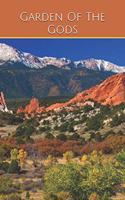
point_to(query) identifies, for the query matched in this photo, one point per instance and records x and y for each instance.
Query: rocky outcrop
(32, 108)
(109, 92)
(56, 106)
(3, 106)
(20, 110)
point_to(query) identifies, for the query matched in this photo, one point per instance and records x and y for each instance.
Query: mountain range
(23, 75)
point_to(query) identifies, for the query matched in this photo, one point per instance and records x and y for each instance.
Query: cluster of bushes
(10, 119)
(66, 127)
(111, 144)
(89, 179)
(8, 190)
(4, 151)
(25, 130)
(11, 168)
(117, 120)
(11, 160)
(64, 137)
(94, 123)
(7, 143)
(13, 196)
(56, 147)
(45, 147)
(115, 112)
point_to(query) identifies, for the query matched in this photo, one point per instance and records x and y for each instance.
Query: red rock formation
(3, 106)
(55, 106)
(109, 92)
(41, 109)
(32, 108)
(20, 110)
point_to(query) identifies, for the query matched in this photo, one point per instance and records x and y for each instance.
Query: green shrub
(24, 130)
(64, 127)
(4, 151)
(101, 180)
(117, 120)
(70, 128)
(5, 185)
(10, 119)
(94, 123)
(74, 136)
(121, 157)
(63, 178)
(14, 167)
(27, 195)
(10, 197)
(4, 166)
(87, 108)
(105, 110)
(98, 137)
(49, 136)
(92, 178)
(62, 137)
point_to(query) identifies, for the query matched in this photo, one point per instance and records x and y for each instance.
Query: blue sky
(109, 49)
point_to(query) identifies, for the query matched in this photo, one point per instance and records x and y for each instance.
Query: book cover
(62, 100)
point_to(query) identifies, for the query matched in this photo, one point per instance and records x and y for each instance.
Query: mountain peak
(9, 54)
(3, 45)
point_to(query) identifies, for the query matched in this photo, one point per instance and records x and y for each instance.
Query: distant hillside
(21, 82)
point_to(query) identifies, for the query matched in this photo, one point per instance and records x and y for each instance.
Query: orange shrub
(111, 144)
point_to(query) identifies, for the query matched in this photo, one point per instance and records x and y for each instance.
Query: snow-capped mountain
(100, 65)
(11, 55)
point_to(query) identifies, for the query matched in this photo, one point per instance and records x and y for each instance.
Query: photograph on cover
(62, 119)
